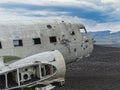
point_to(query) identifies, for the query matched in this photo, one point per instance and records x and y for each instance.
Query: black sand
(100, 71)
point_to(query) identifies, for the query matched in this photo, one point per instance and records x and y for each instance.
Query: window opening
(36, 41)
(83, 31)
(53, 39)
(17, 43)
(0, 45)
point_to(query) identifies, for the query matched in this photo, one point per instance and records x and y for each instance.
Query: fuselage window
(17, 43)
(0, 45)
(36, 41)
(53, 39)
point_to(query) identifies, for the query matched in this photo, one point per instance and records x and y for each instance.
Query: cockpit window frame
(84, 29)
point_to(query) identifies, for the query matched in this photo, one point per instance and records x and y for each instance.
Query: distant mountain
(100, 34)
(116, 33)
(106, 37)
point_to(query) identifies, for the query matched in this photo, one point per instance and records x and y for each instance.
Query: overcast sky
(96, 15)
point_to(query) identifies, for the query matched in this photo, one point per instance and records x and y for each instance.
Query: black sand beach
(100, 71)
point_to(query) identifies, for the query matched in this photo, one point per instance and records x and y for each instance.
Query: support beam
(6, 80)
(18, 77)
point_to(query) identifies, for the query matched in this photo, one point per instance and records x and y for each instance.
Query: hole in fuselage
(75, 49)
(49, 26)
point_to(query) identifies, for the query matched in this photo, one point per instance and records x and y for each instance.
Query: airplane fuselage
(26, 38)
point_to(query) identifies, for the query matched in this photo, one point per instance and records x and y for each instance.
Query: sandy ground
(100, 71)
